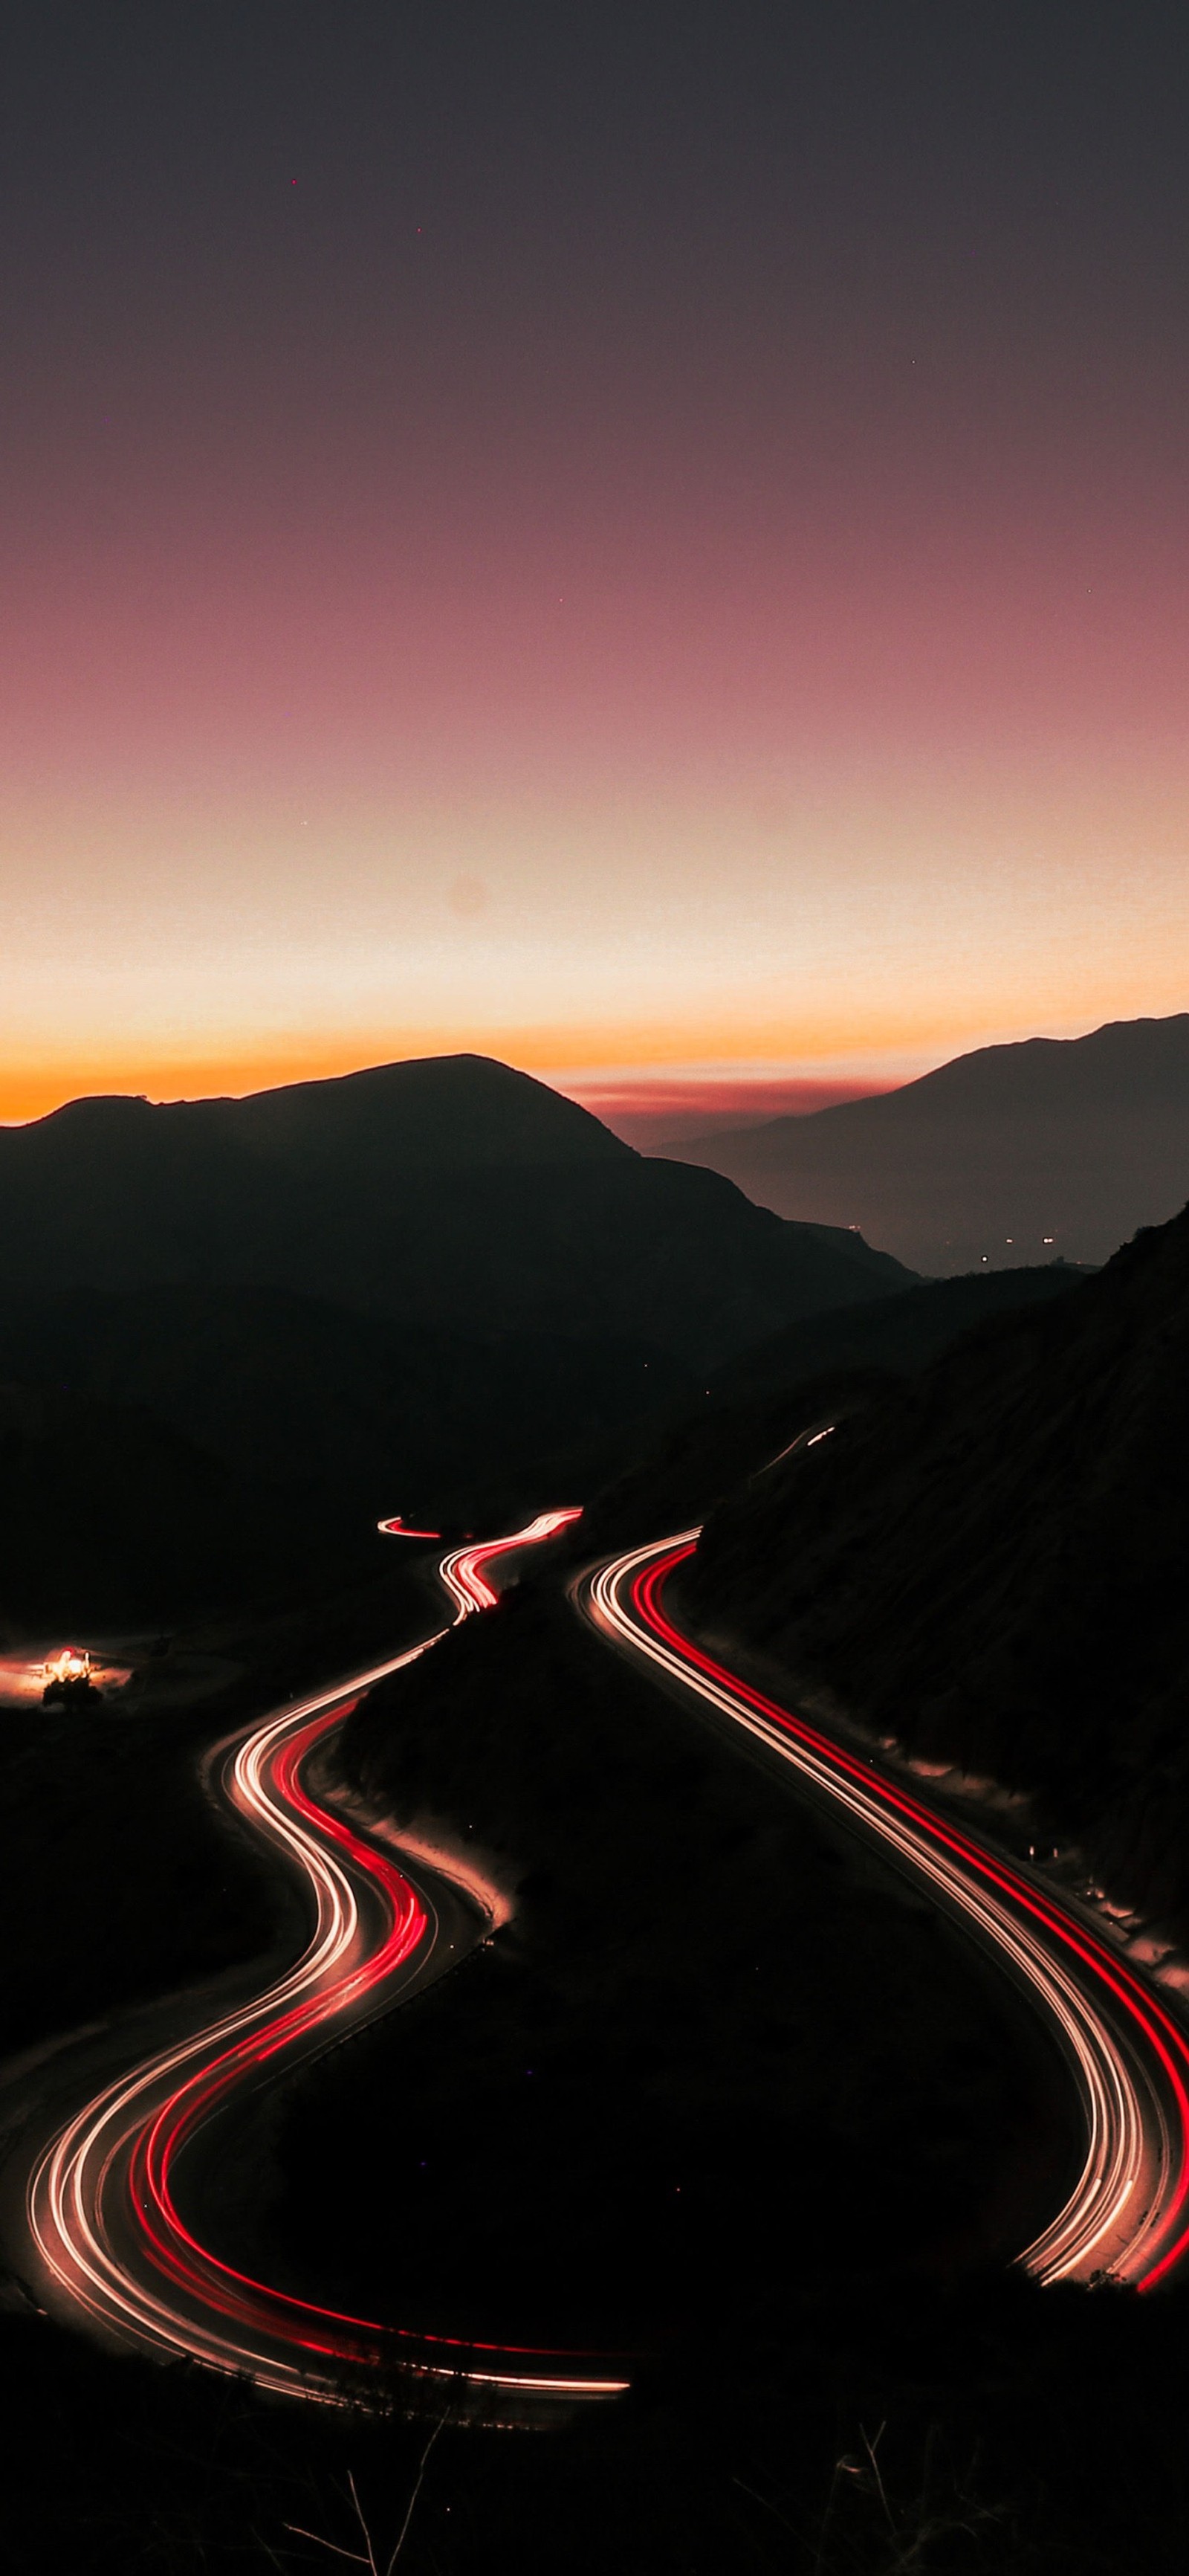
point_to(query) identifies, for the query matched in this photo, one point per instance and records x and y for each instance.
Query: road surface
(1127, 2217)
(110, 2237)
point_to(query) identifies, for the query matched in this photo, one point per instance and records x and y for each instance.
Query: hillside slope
(756, 1404)
(451, 1196)
(297, 1393)
(661, 2085)
(110, 1519)
(901, 1332)
(1007, 1155)
(990, 1563)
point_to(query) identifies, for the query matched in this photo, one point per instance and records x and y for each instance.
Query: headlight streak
(1127, 2216)
(101, 2202)
(462, 1571)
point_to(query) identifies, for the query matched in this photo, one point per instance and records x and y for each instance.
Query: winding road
(108, 2239)
(1127, 2217)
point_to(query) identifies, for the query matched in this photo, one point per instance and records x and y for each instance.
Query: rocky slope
(990, 1563)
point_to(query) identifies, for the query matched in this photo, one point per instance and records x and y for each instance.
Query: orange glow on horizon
(606, 1086)
(621, 1063)
(633, 650)
(727, 1098)
(721, 1065)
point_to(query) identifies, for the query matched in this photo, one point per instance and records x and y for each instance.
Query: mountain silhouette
(236, 1333)
(447, 1196)
(1002, 1158)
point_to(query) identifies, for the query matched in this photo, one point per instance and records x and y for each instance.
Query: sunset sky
(646, 541)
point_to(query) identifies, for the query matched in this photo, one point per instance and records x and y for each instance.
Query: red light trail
(113, 2247)
(1127, 2216)
(106, 2201)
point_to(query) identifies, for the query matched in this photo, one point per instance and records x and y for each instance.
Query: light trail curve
(105, 2210)
(1127, 2217)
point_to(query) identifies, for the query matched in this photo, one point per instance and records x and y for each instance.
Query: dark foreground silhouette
(990, 1564)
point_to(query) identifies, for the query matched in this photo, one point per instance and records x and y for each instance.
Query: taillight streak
(1127, 2212)
(102, 2202)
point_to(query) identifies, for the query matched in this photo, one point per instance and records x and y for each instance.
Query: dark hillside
(453, 1196)
(756, 1404)
(1024, 2433)
(245, 1330)
(899, 1332)
(302, 1394)
(109, 1520)
(990, 1563)
(708, 2015)
(1070, 1142)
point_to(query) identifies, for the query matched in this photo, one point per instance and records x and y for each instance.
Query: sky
(646, 541)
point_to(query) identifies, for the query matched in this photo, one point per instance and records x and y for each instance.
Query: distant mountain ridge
(450, 1195)
(1007, 1156)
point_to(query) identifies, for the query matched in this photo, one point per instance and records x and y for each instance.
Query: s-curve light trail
(107, 2207)
(1127, 2216)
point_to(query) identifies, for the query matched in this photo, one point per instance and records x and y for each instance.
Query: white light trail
(111, 2245)
(1126, 2216)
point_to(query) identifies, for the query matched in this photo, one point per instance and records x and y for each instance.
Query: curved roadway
(107, 2234)
(107, 2230)
(1127, 2217)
